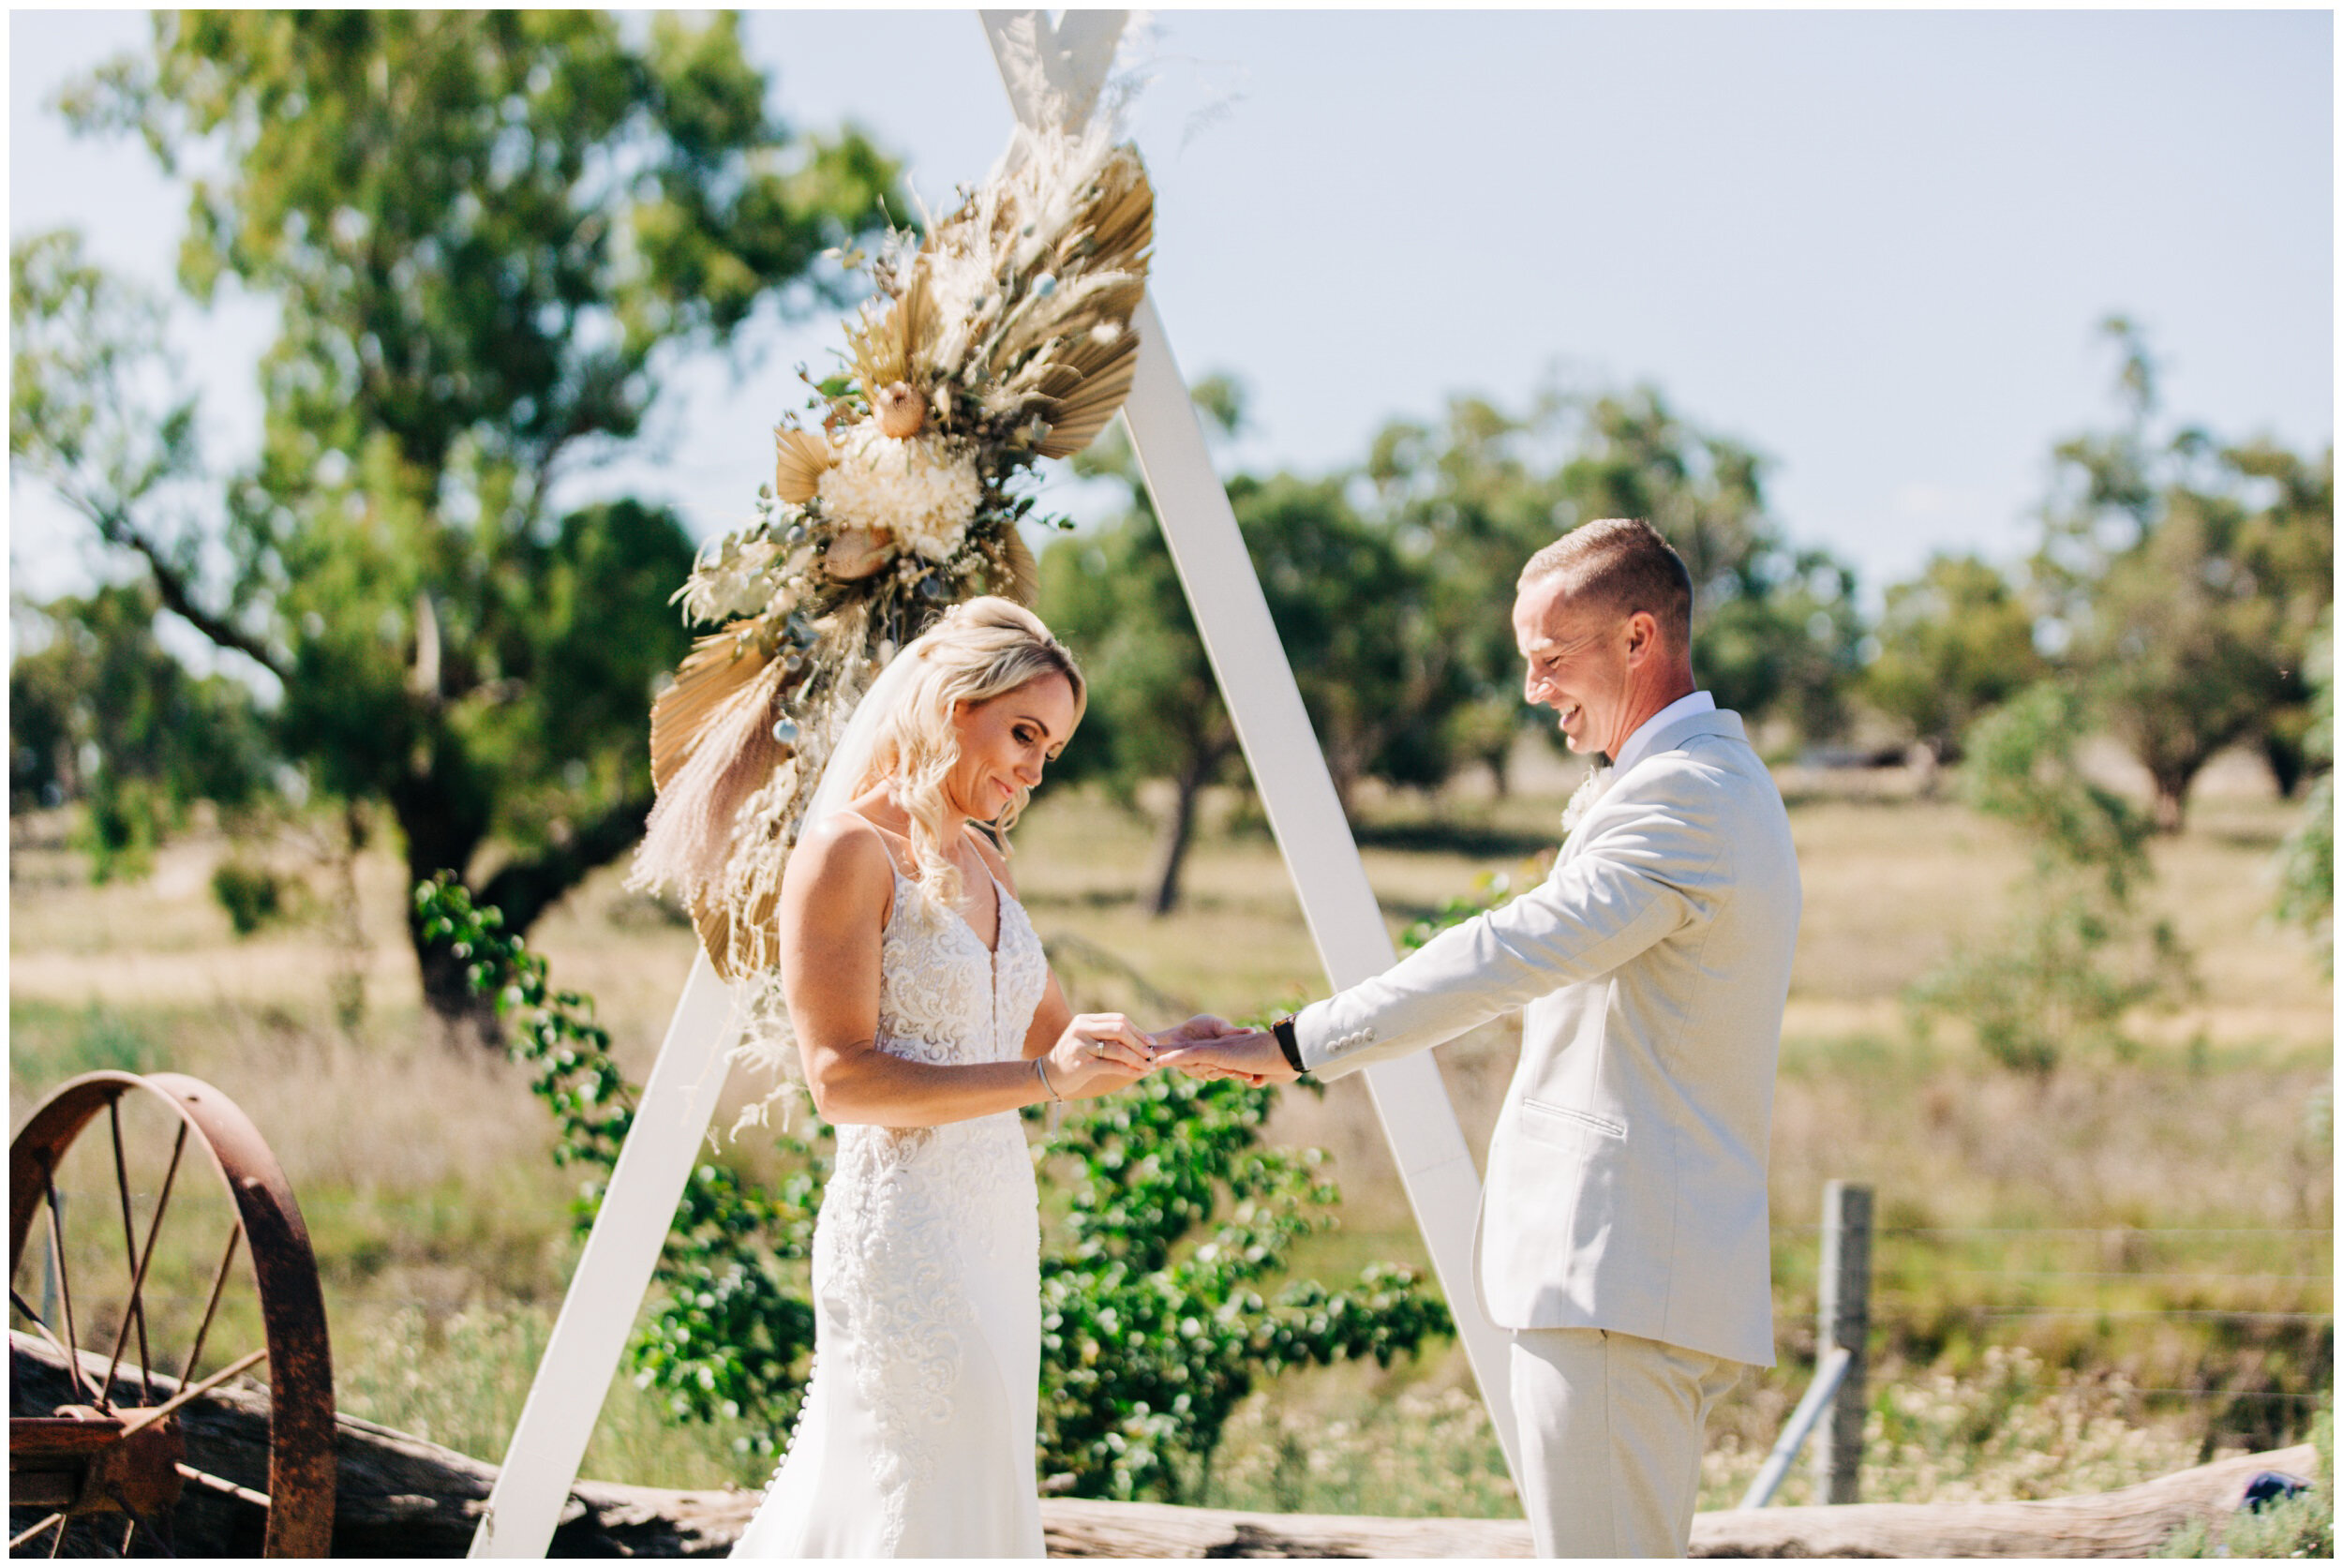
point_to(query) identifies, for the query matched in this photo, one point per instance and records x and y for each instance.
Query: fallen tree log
(396, 1496)
(400, 1495)
(2129, 1522)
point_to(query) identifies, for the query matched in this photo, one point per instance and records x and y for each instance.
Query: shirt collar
(1648, 731)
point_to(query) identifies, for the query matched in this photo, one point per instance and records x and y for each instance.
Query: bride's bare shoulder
(844, 856)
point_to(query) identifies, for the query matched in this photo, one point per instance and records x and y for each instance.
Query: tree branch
(524, 889)
(170, 584)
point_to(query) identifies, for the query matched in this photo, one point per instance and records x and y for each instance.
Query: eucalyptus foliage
(1157, 1316)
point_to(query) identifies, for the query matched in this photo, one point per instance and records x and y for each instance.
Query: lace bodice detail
(943, 996)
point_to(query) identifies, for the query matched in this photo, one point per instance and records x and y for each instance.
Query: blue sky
(1871, 245)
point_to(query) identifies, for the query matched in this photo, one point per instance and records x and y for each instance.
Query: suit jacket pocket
(1553, 1124)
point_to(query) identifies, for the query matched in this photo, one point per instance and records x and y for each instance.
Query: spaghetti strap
(877, 832)
(1002, 897)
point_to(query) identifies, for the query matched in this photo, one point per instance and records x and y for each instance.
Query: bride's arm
(833, 909)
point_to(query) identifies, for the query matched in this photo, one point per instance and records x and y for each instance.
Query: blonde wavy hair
(983, 648)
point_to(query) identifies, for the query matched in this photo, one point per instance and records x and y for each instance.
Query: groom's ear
(1643, 636)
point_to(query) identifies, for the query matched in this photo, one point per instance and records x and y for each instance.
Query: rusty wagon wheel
(139, 1323)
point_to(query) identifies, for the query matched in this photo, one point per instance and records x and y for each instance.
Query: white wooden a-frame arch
(1047, 69)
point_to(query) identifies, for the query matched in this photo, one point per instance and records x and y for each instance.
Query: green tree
(1954, 642)
(1155, 710)
(1469, 502)
(489, 235)
(2189, 578)
(2286, 546)
(1774, 626)
(1355, 614)
(100, 714)
(1352, 608)
(2076, 953)
(1775, 630)
(1393, 597)
(2306, 860)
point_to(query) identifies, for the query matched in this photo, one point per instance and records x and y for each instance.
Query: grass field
(2053, 1255)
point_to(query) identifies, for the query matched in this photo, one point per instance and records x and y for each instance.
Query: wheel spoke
(57, 1520)
(129, 1248)
(222, 1485)
(46, 1333)
(64, 1298)
(140, 1258)
(219, 1282)
(153, 1413)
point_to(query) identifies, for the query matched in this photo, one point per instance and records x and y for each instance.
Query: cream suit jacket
(1626, 1185)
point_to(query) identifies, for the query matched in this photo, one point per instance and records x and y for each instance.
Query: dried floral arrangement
(1001, 337)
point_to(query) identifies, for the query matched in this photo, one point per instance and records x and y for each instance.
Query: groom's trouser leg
(1610, 1430)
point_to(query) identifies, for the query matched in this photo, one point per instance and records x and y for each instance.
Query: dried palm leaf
(718, 750)
(1024, 572)
(736, 943)
(800, 457)
(1083, 389)
(883, 343)
(715, 670)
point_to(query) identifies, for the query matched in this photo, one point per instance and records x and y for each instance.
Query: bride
(926, 1016)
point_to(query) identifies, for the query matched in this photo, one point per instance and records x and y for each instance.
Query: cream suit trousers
(1610, 1432)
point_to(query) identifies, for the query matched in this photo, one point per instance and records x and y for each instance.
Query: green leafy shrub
(2075, 954)
(253, 895)
(1154, 1324)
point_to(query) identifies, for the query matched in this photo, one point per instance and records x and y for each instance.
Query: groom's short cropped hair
(1623, 564)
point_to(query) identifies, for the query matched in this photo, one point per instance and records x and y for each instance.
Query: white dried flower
(733, 577)
(920, 491)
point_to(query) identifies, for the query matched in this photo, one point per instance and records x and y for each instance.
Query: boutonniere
(1582, 800)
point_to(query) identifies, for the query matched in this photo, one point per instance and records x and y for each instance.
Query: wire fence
(2083, 1278)
(2282, 1303)
(2117, 1231)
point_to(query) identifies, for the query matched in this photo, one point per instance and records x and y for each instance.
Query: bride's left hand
(1098, 1053)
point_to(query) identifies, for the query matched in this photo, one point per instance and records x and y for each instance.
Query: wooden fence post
(1844, 1321)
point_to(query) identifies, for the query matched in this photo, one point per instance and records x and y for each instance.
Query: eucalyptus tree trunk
(1177, 834)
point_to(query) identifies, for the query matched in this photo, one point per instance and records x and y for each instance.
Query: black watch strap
(1283, 1029)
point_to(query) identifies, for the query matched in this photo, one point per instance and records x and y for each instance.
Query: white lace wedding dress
(917, 1435)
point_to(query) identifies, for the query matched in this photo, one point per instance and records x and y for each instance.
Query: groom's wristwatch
(1283, 1029)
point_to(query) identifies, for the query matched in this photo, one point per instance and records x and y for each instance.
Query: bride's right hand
(1098, 1053)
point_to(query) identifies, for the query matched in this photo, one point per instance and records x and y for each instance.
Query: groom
(1623, 1234)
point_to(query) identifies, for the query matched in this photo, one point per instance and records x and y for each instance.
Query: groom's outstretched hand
(1209, 1047)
